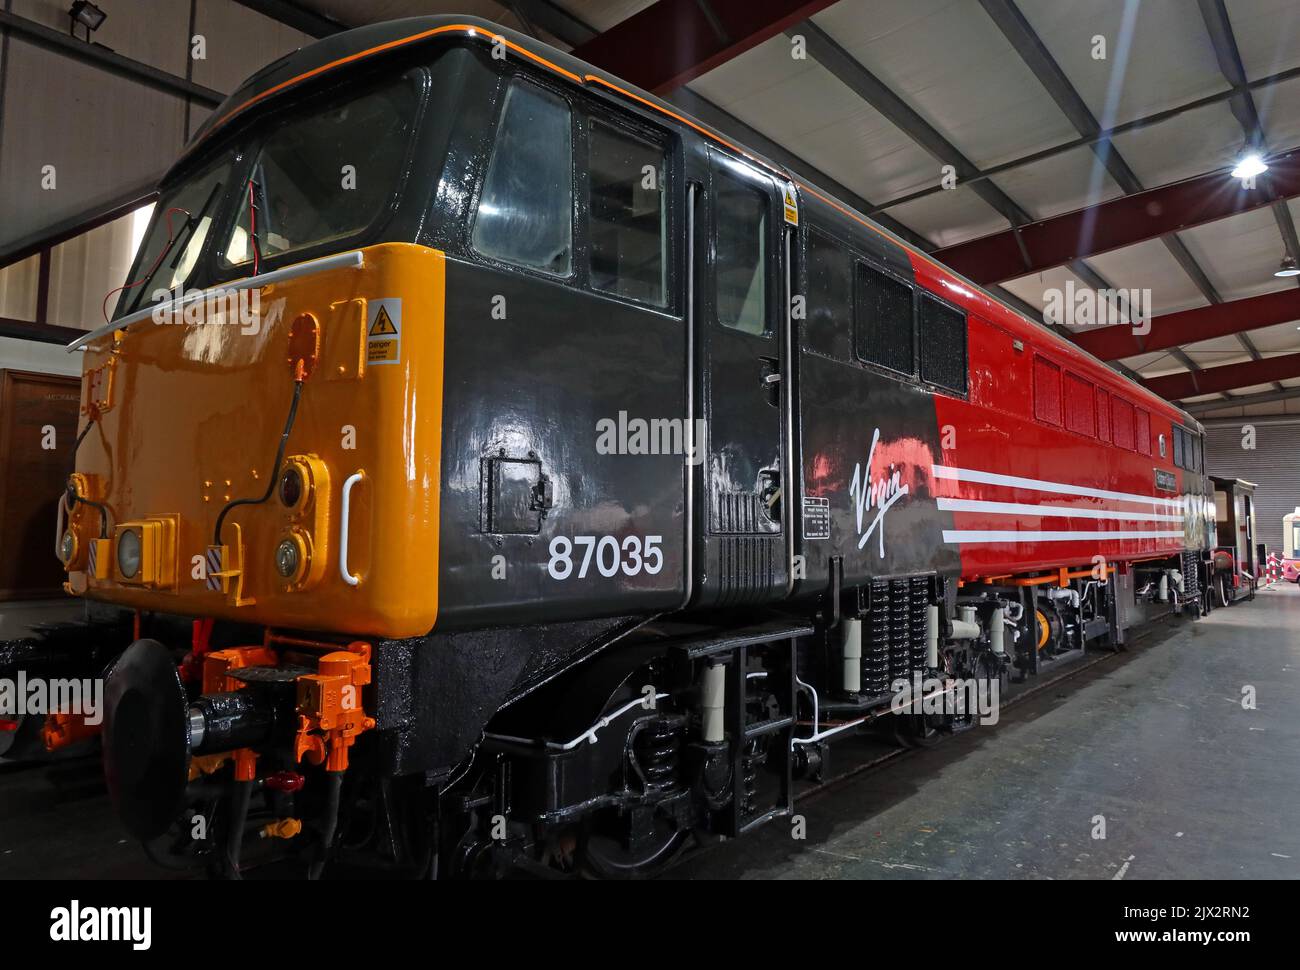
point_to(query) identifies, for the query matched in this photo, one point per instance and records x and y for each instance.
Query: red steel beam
(1188, 326)
(674, 41)
(1216, 380)
(1120, 222)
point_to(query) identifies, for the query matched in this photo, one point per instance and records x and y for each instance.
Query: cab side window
(525, 211)
(627, 215)
(741, 256)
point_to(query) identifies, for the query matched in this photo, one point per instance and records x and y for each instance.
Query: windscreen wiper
(191, 223)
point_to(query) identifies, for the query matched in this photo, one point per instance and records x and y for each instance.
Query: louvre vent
(747, 568)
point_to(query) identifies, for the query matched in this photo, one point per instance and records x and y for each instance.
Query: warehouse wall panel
(1273, 465)
(18, 285)
(86, 268)
(152, 31)
(101, 132)
(239, 42)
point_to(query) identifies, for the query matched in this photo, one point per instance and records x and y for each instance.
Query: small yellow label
(381, 351)
(791, 201)
(384, 331)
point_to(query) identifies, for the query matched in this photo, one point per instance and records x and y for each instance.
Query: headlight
(67, 547)
(291, 487)
(128, 554)
(288, 558)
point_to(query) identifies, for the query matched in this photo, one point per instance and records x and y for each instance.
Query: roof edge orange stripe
(468, 29)
(473, 31)
(687, 121)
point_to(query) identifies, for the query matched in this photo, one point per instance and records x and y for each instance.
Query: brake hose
(275, 470)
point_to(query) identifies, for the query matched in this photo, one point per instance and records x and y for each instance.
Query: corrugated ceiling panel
(1031, 289)
(948, 218)
(1141, 361)
(1164, 365)
(1282, 338)
(1225, 351)
(801, 105)
(1238, 254)
(948, 61)
(1149, 265)
(1063, 183)
(1253, 389)
(1266, 31)
(1192, 143)
(1279, 111)
(1165, 60)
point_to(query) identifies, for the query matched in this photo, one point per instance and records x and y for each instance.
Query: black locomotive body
(694, 515)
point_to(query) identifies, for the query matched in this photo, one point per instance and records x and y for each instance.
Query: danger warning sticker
(791, 201)
(384, 331)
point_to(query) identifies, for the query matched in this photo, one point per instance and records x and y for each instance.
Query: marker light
(291, 487)
(67, 547)
(128, 554)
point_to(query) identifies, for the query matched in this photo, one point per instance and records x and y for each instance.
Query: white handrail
(355, 258)
(343, 529)
(58, 525)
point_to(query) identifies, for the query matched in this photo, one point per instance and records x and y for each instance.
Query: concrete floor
(1191, 785)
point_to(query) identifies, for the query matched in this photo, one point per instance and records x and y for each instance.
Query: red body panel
(1029, 495)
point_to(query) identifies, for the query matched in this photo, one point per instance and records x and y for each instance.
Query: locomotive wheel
(603, 856)
(146, 739)
(986, 671)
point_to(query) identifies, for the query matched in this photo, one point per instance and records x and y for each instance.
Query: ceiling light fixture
(1249, 166)
(1288, 267)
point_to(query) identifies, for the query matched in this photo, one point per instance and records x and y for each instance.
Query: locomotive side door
(743, 387)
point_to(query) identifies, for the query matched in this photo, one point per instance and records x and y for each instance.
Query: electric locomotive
(549, 479)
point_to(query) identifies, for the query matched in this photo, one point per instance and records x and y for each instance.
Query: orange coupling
(61, 730)
(285, 828)
(220, 662)
(330, 712)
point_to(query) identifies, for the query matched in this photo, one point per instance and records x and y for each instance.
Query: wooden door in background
(32, 478)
